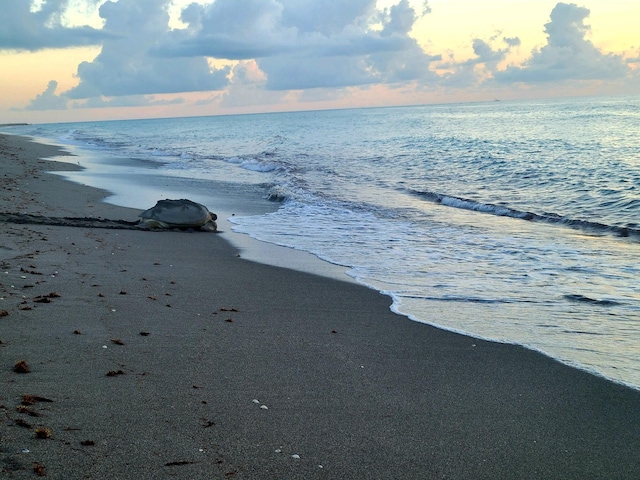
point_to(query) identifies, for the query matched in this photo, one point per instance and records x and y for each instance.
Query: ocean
(517, 222)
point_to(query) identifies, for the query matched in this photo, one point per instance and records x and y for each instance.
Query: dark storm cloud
(21, 29)
(568, 55)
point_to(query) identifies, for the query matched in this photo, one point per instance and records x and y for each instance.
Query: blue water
(512, 221)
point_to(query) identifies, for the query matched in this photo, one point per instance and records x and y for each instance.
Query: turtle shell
(181, 213)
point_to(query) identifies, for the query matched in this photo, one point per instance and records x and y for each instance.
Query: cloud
(353, 52)
(636, 59)
(247, 88)
(325, 17)
(48, 100)
(568, 55)
(270, 51)
(480, 68)
(229, 29)
(301, 44)
(486, 54)
(24, 29)
(127, 101)
(399, 19)
(512, 42)
(125, 65)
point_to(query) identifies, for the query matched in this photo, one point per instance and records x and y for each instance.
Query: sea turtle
(167, 214)
(181, 213)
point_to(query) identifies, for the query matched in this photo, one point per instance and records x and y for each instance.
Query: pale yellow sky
(449, 30)
(453, 23)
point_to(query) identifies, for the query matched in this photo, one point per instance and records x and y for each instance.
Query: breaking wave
(549, 218)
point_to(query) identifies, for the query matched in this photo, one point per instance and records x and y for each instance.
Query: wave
(582, 299)
(549, 218)
(464, 299)
(277, 193)
(259, 166)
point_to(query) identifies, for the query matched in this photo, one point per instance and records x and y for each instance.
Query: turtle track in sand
(84, 222)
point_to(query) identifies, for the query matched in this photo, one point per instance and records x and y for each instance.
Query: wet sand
(168, 355)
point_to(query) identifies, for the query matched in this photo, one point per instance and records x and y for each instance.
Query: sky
(84, 60)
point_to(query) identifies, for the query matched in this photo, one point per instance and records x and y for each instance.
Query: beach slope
(168, 355)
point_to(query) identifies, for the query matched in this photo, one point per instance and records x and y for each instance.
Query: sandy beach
(155, 355)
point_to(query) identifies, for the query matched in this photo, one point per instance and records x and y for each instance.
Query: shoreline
(227, 205)
(351, 389)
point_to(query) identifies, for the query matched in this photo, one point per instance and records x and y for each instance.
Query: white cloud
(568, 54)
(24, 29)
(399, 19)
(229, 29)
(48, 100)
(263, 49)
(480, 68)
(125, 66)
(326, 17)
(127, 101)
(247, 88)
(355, 54)
(302, 44)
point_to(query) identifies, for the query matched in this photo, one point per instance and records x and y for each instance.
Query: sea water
(517, 222)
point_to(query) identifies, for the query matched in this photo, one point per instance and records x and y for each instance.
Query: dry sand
(167, 355)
